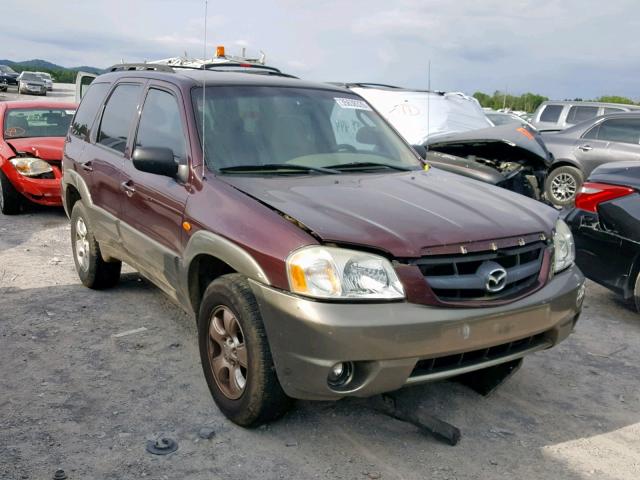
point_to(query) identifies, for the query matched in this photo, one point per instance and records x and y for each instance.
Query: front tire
(235, 354)
(562, 185)
(92, 269)
(9, 197)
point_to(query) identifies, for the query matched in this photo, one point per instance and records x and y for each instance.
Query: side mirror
(157, 160)
(420, 150)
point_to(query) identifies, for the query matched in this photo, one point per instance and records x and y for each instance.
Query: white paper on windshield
(353, 103)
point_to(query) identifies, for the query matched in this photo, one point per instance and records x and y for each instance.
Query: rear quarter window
(551, 113)
(88, 109)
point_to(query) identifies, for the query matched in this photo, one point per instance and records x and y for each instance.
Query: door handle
(86, 166)
(128, 188)
(585, 148)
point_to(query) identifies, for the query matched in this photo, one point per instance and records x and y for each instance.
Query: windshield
(37, 122)
(309, 130)
(30, 76)
(44, 75)
(5, 69)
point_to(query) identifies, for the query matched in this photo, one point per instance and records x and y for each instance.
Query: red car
(31, 142)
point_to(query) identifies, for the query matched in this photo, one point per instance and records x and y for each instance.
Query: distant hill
(60, 73)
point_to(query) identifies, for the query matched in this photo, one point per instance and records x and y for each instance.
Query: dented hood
(401, 213)
(46, 148)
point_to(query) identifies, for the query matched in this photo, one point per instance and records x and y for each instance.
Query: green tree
(615, 99)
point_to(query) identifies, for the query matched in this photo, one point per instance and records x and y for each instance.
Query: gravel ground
(75, 396)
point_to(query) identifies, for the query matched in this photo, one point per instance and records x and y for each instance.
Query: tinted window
(161, 124)
(620, 130)
(86, 114)
(117, 116)
(608, 110)
(579, 114)
(551, 113)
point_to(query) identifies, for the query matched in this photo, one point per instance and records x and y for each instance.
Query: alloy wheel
(564, 187)
(82, 244)
(227, 352)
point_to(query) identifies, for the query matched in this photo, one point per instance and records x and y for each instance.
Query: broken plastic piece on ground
(430, 424)
(162, 446)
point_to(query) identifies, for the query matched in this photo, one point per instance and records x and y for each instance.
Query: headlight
(31, 167)
(326, 272)
(565, 249)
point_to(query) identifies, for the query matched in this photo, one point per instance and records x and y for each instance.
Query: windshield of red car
(37, 122)
(252, 126)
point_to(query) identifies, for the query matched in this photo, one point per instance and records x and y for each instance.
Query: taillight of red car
(593, 194)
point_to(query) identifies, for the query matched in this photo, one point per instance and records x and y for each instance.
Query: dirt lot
(74, 396)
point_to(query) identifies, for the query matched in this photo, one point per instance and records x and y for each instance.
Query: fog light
(340, 374)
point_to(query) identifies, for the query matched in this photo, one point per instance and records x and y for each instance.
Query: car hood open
(504, 143)
(402, 213)
(46, 148)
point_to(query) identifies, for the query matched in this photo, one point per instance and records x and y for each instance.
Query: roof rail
(140, 66)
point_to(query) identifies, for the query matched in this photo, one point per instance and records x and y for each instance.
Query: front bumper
(43, 191)
(387, 340)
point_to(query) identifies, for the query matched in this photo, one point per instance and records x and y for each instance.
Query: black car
(606, 228)
(583, 147)
(8, 76)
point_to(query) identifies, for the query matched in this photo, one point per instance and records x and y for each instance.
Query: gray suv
(580, 149)
(555, 115)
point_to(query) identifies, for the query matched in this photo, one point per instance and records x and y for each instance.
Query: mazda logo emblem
(496, 280)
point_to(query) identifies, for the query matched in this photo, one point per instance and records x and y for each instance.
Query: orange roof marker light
(220, 51)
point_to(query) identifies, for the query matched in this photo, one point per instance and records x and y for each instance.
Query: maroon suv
(321, 257)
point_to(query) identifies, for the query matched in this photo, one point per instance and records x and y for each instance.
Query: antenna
(204, 63)
(426, 146)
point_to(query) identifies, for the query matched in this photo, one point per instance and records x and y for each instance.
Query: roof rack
(140, 66)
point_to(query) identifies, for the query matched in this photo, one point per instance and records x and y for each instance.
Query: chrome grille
(466, 277)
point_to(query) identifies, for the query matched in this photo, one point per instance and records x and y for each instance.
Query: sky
(561, 49)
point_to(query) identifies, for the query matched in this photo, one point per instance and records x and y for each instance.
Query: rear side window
(117, 117)
(620, 130)
(551, 113)
(580, 113)
(608, 110)
(161, 124)
(86, 114)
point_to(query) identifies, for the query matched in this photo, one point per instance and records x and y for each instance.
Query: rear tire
(235, 354)
(9, 197)
(562, 185)
(93, 271)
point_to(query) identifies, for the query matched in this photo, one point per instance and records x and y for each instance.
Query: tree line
(528, 102)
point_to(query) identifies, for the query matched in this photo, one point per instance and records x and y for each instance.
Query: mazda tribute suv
(321, 256)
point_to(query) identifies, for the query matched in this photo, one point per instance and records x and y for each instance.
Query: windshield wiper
(275, 167)
(368, 166)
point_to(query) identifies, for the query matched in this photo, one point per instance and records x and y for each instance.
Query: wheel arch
(209, 256)
(565, 162)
